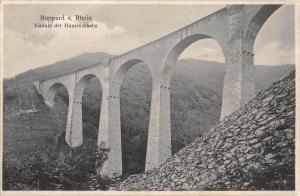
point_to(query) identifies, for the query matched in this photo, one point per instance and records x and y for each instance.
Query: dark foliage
(73, 169)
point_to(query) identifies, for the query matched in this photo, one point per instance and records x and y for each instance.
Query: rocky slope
(252, 149)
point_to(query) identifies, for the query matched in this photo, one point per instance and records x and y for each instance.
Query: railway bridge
(234, 28)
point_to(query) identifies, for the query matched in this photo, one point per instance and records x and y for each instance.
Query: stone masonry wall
(252, 149)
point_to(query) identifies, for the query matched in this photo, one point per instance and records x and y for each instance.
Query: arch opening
(121, 73)
(86, 106)
(58, 97)
(52, 92)
(91, 98)
(271, 37)
(195, 71)
(133, 84)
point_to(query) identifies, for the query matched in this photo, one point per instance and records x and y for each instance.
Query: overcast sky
(125, 27)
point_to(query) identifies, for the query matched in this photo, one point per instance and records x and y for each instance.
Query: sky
(124, 27)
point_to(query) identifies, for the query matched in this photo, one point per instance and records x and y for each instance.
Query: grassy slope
(196, 91)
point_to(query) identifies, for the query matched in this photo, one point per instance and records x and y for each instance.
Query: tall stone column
(109, 135)
(74, 119)
(248, 71)
(159, 135)
(239, 84)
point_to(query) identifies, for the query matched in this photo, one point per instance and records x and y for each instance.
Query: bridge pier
(74, 119)
(109, 135)
(159, 135)
(239, 79)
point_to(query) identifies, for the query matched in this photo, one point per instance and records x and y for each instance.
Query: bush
(73, 169)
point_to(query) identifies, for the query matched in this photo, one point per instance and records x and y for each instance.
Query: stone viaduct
(234, 27)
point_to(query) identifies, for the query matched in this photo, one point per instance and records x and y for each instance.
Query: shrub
(73, 169)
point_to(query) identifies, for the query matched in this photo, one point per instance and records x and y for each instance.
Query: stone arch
(60, 110)
(78, 98)
(178, 49)
(166, 77)
(52, 92)
(122, 71)
(118, 112)
(239, 81)
(81, 84)
(256, 23)
(251, 31)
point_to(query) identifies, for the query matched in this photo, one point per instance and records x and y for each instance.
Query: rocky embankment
(252, 149)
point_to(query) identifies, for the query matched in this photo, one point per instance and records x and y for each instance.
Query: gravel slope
(252, 149)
